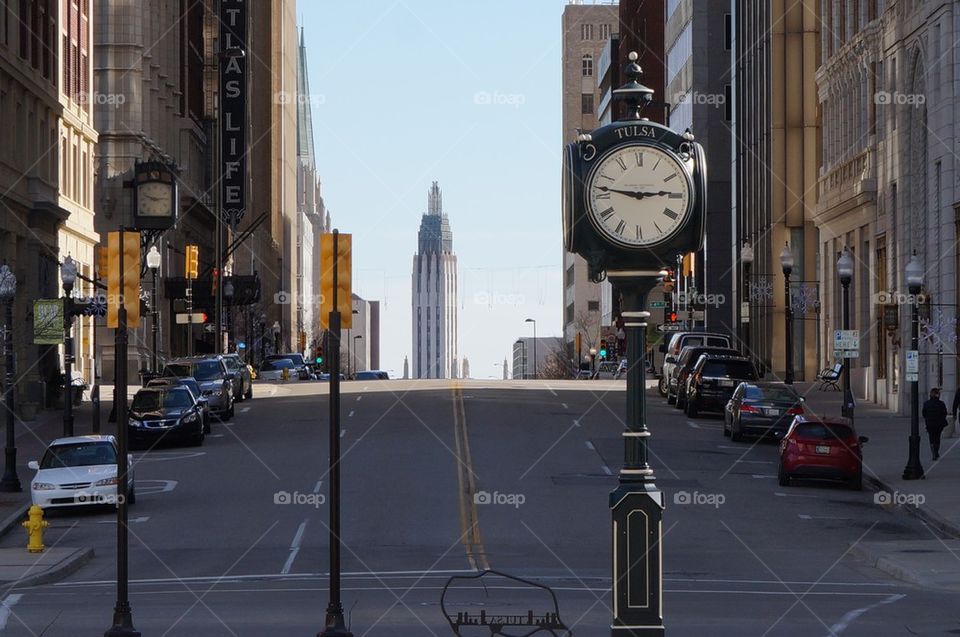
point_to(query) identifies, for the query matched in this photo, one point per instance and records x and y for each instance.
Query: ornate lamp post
(845, 274)
(153, 262)
(228, 292)
(68, 276)
(530, 320)
(746, 258)
(787, 263)
(914, 276)
(8, 289)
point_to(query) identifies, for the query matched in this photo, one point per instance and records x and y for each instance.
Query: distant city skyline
(444, 105)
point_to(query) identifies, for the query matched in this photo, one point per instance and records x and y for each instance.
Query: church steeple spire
(435, 200)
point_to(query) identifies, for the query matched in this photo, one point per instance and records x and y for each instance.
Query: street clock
(634, 192)
(155, 196)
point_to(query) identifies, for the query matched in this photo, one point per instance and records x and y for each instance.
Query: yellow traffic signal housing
(192, 262)
(128, 289)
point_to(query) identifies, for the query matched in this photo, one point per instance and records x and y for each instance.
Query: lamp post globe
(845, 267)
(914, 274)
(153, 258)
(786, 259)
(746, 254)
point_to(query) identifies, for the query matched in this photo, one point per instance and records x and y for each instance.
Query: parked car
(684, 339)
(369, 375)
(273, 369)
(822, 448)
(689, 355)
(714, 379)
(243, 379)
(216, 383)
(608, 370)
(164, 414)
(81, 470)
(194, 387)
(299, 364)
(761, 409)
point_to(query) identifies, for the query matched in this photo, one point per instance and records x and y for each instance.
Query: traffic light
(668, 282)
(192, 268)
(603, 349)
(129, 288)
(672, 317)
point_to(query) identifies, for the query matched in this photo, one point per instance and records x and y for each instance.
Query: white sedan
(273, 369)
(78, 471)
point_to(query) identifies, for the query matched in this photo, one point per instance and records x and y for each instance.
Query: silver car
(216, 382)
(242, 382)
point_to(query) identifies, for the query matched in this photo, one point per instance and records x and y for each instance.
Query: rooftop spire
(435, 200)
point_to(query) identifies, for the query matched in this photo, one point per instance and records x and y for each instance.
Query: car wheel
(856, 483)
(783, 478)
(671, 399)
(662, 387)
(692, 409)
(681, 404)
(735, 434)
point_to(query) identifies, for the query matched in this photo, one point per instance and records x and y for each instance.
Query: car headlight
(189, 418)
(133, 422)
(106, 482)
(43, 486)
(208, 392)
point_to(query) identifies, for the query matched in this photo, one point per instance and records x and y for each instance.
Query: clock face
(154, 199)
(638, 195)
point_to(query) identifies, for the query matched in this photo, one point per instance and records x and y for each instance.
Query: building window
(586, 103)
(586, 31)
(604, 31)
(24, 17)
(569, 314)
(727, 31)
(593, 306)
(570, 272)
(587, 65)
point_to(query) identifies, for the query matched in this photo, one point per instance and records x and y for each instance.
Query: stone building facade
(888, 184)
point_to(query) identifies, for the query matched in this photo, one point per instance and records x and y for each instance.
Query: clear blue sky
(400, 88)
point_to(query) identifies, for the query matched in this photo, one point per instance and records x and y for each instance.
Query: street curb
(883, 564)
(921, 513)
(66, 568)
(14, 519)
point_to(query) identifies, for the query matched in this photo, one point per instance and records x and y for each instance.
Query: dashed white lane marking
(589, 445)
(576, 422)
(729, 447)
(359, 398)
(214, 435)
(564, 405)
(294, 548)
(8, 602)
(756, 461)
(795, 495)
(804, 516)
(316, 489)
(607, 471)
(854, 615)
(350, 415)
(757, 475)
(343, 432)
(244, 410)
(142, 518)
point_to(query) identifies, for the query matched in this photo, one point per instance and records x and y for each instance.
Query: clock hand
(630, 193)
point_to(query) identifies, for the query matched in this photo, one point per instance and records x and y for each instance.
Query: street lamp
(746, 258)
(914, 275)
(228, 292)
(356, 345)
(68, 276)
(593, 359)
(153, 262)
(530, 320)
(787, 262)
(8, 289)
(276, 337)
(845, 273)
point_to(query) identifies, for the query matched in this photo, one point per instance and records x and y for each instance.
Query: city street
(231, 539)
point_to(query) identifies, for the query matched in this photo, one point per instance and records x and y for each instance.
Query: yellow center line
(467, 486)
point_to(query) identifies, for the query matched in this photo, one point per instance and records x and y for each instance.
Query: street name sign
(668, 327)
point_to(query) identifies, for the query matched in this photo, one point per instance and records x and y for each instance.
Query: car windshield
(231, 363)
(772, 394)
(179, 370)
(275, 364)
(296, 359)
(728, 369)
(823, 431)
(157, 400)
(83, 454)
(207, 370)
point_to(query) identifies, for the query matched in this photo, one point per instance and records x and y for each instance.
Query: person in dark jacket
(935, 417)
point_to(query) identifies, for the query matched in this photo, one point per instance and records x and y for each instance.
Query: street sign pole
(636, 504)
(335, 625)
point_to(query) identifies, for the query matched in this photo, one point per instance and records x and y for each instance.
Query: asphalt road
(231, 538)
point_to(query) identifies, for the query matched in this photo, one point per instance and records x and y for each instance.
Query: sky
(466, 93)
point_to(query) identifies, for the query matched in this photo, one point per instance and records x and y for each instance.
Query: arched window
(587, 65)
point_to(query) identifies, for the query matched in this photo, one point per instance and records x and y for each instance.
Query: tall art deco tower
(435, 295)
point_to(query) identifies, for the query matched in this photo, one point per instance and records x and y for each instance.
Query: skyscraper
(435, 294)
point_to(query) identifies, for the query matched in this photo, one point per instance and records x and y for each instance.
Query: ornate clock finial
(635, 94)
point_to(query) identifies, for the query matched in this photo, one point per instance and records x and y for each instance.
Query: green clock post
(634, 198)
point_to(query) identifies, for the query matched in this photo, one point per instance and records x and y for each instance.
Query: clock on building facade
(155, 196)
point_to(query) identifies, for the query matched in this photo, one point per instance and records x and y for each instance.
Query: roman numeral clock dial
(639, 195)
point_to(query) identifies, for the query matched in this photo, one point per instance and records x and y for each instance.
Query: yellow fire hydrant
(35, 525)
(285, 374)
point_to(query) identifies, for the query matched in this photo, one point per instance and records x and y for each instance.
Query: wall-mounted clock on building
(155, 196)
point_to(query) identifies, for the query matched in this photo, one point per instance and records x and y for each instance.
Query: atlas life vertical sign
(233, 109)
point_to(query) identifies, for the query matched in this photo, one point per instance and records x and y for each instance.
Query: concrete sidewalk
(929, 561)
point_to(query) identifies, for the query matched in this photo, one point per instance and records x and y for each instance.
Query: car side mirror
(33, 464)
(863, 439)
(670, 359)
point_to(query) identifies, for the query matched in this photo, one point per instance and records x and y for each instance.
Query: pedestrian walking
(935, 417)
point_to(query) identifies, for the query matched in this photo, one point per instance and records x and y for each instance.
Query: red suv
(827, 448)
